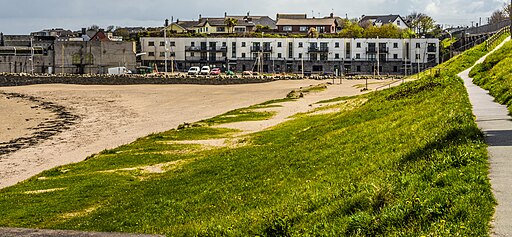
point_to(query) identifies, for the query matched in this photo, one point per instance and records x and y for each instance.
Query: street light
(165, 40)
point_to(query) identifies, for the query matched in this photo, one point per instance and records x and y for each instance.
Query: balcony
(203, 59)
(318, 49)
(206, 49)
(374, 50)
(261, 49)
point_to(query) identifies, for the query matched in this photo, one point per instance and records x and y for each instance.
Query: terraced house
(295, 55)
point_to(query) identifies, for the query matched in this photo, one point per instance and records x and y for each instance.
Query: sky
(25, 16)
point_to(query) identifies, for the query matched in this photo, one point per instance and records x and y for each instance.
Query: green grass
(410, 161)
(495, 75)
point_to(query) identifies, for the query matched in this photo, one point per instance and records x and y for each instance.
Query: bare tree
(497, 16)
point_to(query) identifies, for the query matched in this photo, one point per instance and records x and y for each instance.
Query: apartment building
(294, 55)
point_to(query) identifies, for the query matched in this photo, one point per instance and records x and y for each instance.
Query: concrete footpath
(17, 232)
(494, 121)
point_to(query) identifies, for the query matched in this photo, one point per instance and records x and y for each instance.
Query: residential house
(183, 26)
(299, 23)
(379, 21)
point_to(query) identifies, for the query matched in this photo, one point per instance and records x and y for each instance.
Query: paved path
(15, 232)
(494, 121)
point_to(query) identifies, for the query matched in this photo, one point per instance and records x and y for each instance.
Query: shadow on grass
(452, 139)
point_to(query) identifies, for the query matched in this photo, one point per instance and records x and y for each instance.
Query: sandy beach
(111, 116)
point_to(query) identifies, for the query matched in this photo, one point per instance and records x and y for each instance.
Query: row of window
(301, 44)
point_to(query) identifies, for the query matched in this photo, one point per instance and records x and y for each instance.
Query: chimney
(200, 17)
(248, 14)
(1, 39)
(332, 15)
(225, 14)
(177, 21)
(84, 31)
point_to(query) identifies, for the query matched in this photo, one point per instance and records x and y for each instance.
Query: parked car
(215, 71)
(205, 70)
(194, 71)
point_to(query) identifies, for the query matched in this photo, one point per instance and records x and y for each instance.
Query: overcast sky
(25, 16)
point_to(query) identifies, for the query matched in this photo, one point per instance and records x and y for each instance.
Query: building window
(395, 69)
(337, 56)
(162, 54)
(358, 56)
(287, 28)
(151, 43)
(358, 68)
(172, 44)
(279, 55)
(337, 45)
(395, 56)
(301, 45)
(418, 56)
(279, 44)
(206, 29)
(221, 29)
(173, 54)
(224, 54)
(398, 23)
(358, 45)
(320, 29)
(418, 45)
(395, 45)
(239, 29)
(162, 43)
(303, 29)
(243, 44)
(243, 55)
(300, 55)
(192, 54)
(193, 44)
(151, 54)
(224, 44)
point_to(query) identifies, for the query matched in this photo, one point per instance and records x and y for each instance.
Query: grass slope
(495, 75)
(409, 161)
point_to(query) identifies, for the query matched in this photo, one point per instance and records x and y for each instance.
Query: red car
(215, 71)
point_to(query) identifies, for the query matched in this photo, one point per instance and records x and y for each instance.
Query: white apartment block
(294, 55)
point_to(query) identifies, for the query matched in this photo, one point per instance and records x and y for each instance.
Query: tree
(497, 16)
(122, 32)
(313, 33)
(351, 30)
(110, 28)
(231, 23)
(94, 28)
(421, 23)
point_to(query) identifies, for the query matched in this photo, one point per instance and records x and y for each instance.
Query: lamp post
(165, 43)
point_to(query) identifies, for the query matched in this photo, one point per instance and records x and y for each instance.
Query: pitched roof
(291, 16)
(187, 24)
(306, 22)
(255, 20)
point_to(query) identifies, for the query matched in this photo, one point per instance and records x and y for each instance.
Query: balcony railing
(318, 49)
(203, 59)
(431, 49)
(261, 49)
(375, 50)
(206, 49)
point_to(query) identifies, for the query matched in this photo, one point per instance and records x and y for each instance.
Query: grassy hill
(408, 161)
(495, 75)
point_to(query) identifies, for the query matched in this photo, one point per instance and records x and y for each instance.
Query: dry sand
(18, 117)
(115, 115)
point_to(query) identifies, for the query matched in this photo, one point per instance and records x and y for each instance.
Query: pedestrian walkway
(17, 232)
(494, 121)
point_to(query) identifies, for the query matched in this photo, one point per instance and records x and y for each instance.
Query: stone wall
(22, 80)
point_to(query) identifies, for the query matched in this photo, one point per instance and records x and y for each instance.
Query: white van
(205, 70)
